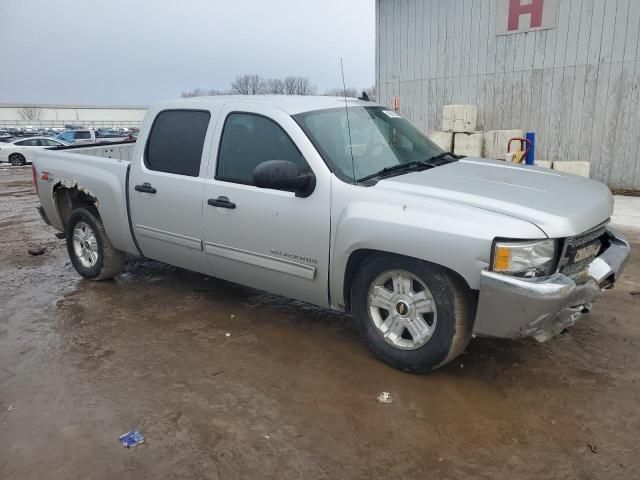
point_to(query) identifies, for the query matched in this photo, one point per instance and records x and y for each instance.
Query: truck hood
(560, 204)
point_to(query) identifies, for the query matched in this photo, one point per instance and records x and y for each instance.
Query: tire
(89, 248)
(17, 160)
(427, 337)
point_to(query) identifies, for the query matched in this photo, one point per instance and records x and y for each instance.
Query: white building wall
(58, 115)
(576, 85)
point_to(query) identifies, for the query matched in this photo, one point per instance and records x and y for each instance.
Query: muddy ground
(228, 382)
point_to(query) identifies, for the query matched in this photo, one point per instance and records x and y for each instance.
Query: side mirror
(284, 175)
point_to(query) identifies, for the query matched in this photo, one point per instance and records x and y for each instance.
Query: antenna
(346, 109)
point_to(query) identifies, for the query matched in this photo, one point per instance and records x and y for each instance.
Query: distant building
(568, 70)
(12, 115)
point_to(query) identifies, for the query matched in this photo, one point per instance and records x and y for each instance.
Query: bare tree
(196, 92)
(256, 85)
(340, 92)
(298, 86)
(274, 86)
(248, 85)
(29, 112)
(201, 92)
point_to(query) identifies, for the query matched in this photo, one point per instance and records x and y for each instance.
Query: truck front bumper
(512, 307)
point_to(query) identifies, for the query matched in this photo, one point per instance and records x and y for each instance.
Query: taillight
(34, 177)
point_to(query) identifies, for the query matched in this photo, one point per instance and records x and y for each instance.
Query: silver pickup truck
(343, 204)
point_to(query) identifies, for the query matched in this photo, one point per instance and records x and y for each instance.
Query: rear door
(166, 186)
(264, 238)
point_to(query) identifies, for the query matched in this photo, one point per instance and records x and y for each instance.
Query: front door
(166, 187)
(264, 238)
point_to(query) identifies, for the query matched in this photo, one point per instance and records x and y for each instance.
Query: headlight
(530, 258)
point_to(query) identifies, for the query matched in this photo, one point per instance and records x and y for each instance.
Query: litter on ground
(385, 397)
(131, 439)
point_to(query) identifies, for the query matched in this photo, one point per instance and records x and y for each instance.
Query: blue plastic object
(531, 154)
(131, 439)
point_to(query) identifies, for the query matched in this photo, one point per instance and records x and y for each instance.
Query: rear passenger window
(247, 141)
(83, 135)
(176, 141)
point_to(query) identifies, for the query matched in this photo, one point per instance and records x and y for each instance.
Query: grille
(571, 267)
(585, 238)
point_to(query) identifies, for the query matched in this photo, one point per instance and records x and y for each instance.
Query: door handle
(222, 202)
(145, 188)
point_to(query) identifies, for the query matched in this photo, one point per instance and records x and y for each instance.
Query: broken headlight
(529, 258)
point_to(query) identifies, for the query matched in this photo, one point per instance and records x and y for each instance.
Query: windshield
(380, 138)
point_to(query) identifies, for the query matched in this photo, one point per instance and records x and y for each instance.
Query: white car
(20, 151)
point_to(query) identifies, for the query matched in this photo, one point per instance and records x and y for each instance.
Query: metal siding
(576, 85)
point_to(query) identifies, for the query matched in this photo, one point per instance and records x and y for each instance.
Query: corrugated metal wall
(577, 85)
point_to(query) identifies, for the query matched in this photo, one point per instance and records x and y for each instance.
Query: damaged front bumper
(512, 307)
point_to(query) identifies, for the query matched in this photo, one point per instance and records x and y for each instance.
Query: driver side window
(249, 140)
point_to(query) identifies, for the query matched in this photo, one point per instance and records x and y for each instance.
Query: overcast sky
(138, 51)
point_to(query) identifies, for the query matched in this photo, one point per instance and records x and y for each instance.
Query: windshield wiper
(436, 159)
(399, 168)
(430, 162)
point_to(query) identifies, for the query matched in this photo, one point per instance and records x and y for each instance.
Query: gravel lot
(228, 382)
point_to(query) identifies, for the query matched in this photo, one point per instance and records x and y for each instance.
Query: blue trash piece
(131, 439)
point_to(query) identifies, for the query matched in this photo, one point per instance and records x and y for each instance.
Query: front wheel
(89, 248)
(413, 315)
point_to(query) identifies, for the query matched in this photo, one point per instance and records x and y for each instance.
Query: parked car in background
(19, 152)
(88, 137)
(29, 131)
(77, 137)
(14, 131)
(103, 133)
(425, 248)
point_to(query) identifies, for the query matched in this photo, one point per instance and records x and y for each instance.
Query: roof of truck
(292, 104)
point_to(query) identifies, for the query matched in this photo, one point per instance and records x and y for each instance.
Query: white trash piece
(385, 397)
(443, 139)
(459, 118)
(577, 168)
(496, 141)
(468, 144)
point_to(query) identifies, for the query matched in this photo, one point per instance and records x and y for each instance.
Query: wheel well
(68, 199)
(357, 258)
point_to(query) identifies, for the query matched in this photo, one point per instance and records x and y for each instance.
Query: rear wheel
(413, 315)
(89, 248)
(16, 159)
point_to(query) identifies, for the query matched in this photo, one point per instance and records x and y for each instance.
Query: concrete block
(496, 141)
(543, 163)
(577, 168)
(468, 144)
(459, 118)
(443, 139)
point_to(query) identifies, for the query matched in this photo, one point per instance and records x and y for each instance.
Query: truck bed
(99, 171)
(118, 151)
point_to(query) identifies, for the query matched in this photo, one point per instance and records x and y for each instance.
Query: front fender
(452, 235)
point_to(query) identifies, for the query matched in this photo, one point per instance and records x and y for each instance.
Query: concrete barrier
(577, 168)
(469, 144)
(495, 142)
(443, 139)
(543, 163)
(459, 118)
